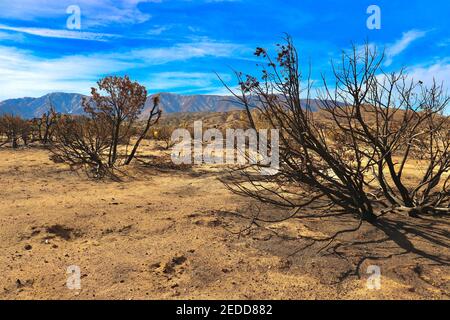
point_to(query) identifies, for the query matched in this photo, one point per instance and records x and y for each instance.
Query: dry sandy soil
(164, 233)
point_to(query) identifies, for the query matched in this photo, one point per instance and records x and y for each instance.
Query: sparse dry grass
(160, 234)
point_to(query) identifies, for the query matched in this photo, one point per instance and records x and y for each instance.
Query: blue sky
(176, 46)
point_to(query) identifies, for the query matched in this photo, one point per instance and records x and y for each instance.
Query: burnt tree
(352, 152)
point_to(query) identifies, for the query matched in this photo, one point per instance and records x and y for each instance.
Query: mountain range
(70, 103)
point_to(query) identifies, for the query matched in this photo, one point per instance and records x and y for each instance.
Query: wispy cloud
(157, 30)
(66, 34)
(182, 80)
(186, 51)
(16, 37)
(22, 73)
(444, 43)
(94, 12)
(438, 70)
(402, 44)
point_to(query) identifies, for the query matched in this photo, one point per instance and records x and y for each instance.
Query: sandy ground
(164, 234)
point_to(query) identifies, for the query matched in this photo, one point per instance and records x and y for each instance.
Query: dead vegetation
(44, 126)
(124, 235)
(15, 130)
(352, 164)
(100, 141)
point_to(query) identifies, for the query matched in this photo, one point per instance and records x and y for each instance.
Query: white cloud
(16, 37)
(438, 70)
(444, 43)
(22, 73)
(93, 12)
(157, 30)
(186, 51)
(218, 90)
(192, 80)
(66, 34)
(401, 45)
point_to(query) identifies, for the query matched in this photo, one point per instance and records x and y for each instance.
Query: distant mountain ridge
(70, 103)
(67, 103)
(171, 103)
